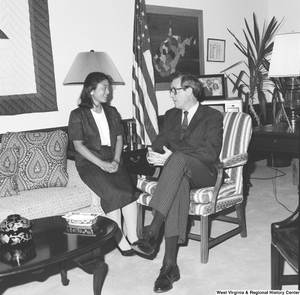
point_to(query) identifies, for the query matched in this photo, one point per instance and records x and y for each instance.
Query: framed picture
(213, 86)
(176, 37)
(43, 98)
(216, 50)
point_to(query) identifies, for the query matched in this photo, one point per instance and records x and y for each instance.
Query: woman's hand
(109, 167)
(115, 165)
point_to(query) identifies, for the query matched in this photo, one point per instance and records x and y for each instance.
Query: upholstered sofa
(38, 180)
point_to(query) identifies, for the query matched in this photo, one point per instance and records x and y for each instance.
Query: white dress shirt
(191, 113)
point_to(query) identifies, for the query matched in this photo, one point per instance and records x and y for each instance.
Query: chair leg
(204, 239)
(240, 211)
(140, 219)
(276, 268)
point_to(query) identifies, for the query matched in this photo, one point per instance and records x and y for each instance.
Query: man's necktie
(184, 123)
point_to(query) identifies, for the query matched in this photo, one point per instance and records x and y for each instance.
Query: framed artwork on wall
(213, 86)
(42, 96)
(176, 37)
(216, 50)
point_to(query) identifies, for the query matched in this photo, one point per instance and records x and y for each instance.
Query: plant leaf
(257, 49)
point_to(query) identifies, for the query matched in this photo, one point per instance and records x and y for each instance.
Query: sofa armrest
(74, 178)
(75, 181)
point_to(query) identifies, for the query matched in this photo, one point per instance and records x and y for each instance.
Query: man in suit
(208, 90)
(188, 148)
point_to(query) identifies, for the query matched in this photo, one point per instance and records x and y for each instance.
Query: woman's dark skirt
(114, 189)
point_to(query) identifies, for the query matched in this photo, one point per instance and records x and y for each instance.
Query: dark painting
(176, 37)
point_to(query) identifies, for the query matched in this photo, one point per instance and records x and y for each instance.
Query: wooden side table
(269, 139)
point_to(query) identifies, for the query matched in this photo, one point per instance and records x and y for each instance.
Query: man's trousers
(180, 174)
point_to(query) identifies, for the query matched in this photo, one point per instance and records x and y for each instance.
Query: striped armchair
(213, 201)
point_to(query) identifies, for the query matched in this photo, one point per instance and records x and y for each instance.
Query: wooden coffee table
(52, 243)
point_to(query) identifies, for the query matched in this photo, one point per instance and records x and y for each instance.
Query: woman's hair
(90, 84)
(188, 80)
(217, 86)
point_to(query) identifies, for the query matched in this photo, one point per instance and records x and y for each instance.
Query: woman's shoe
(127, 253)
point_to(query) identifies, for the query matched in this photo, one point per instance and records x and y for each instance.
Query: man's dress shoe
(146, 244)
(168, 275)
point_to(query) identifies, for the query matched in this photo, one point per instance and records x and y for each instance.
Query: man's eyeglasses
(174, 90)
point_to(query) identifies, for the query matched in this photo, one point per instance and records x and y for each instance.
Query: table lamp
(88, 62)
(285, 63)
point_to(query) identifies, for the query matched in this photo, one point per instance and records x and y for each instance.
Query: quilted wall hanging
(27, 82)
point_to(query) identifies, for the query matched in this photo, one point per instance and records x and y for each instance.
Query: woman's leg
(122, 242)
(130, 220)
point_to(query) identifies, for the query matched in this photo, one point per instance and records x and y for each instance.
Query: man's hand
(158, 159)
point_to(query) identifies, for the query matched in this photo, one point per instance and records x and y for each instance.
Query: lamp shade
(88, 62)
(285, 60)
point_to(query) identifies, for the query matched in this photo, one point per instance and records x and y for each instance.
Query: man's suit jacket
(207, 91)
(202, 138)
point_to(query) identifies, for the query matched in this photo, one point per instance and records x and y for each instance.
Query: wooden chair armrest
(292, 220)
(217, 186)
(236, 160)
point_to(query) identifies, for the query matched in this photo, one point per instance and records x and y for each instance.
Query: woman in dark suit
(96, 132)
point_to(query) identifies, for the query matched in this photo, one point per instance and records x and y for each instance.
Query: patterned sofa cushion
(46, 202)
(38, 203)
(43, 158)
(8, 170)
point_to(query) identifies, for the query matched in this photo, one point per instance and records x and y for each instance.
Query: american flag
(143, 92)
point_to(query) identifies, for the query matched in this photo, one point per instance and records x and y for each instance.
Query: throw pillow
(43, 158)
(8, 171)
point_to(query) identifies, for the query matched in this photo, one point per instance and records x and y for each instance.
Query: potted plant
(257, 49)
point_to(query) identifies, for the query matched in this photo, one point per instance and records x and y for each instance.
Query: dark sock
(156, 224)
(171, 248)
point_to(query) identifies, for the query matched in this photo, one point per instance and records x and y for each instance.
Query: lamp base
(294, 119)
(292, 101)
